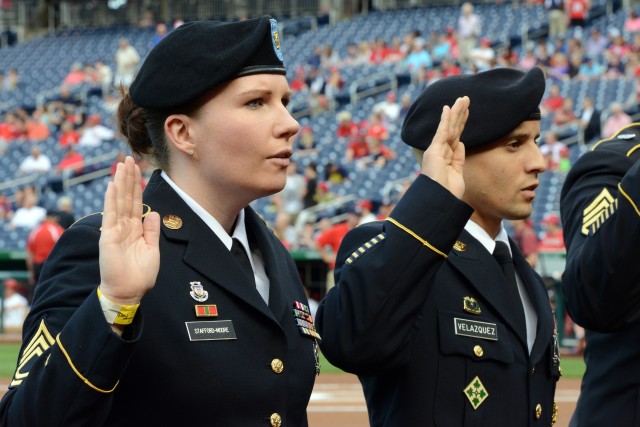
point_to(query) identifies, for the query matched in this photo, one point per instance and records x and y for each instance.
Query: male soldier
(434, 327)
(599, 208)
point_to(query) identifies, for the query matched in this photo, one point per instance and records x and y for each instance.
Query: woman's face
(243, 137)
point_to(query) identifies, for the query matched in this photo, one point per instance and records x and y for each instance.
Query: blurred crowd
(571, 51)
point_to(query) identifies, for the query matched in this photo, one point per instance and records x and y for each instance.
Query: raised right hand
(129, 248)
(444, 159)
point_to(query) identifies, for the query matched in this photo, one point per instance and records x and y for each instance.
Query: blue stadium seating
(42, 69)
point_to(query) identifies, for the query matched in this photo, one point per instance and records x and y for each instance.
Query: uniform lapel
(540, 302)
(204, 251)
(485, 275)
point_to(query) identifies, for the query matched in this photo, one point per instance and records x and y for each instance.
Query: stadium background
(42, 40)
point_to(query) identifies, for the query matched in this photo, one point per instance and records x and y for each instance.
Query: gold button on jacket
(277, 366)
(275, 419)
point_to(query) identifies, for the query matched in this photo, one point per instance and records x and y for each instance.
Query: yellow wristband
(117, 314)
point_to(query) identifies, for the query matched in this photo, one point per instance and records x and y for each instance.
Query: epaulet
(626, 141)
(364, 248)
(95, 219)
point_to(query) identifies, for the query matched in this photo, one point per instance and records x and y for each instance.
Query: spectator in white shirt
(389, 108)
(36, 162)
(95, 133)
(29, 215)
(15, 306)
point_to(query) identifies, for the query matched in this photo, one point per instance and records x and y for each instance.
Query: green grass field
(572, 367)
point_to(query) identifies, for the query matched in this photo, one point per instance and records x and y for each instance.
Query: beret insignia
(275, 38)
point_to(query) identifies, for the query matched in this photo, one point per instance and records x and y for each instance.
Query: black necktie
(238, 252)
(503, 256)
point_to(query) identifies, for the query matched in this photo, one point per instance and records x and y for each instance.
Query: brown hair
(144, 131)
(143, 128)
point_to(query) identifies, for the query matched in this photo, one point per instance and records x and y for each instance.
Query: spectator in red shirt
(72, 162)
(553, 237)
(75, 76)
(39, 244)
(376, 127)
(68, 135)
(578, 12)
(357, 149)
(328, 242)
(36, 130)
(553, 101)
(347, 128)
(527, 239)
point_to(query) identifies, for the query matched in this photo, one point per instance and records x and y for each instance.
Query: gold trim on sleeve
(626, 196)
(85, 380)
(420, 239)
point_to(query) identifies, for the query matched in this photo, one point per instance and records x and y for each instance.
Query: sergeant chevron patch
(38, 345)
(364, 248)
(598, 211)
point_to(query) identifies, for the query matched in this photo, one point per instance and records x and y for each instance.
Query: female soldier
(224, 341)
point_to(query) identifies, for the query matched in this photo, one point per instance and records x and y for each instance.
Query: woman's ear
(178, 131)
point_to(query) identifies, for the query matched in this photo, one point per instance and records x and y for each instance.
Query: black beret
(501, 99)
(198, 56)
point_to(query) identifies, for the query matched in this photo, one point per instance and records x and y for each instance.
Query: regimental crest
(172, 222)
(476, 393)
(598, 211)
(197, 292)
(470, 305)
(460, 246)
(39, 344)
(275, 38)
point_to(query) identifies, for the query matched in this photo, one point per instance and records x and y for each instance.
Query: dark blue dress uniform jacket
(391, 320)
(162, 377)
(601, 283)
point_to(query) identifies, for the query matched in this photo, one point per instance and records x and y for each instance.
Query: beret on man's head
(198, 56)
(501, 99)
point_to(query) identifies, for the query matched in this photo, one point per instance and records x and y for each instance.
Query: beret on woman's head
(501, 99)
(198, 56)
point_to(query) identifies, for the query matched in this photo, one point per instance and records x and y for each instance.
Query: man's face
(501, 178)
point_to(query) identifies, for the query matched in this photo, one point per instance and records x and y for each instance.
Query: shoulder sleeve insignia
(39, 344)
(598, 211)
(366, 247)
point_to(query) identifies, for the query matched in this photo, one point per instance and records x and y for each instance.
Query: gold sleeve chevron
(414, 235)
(364, 248)
(39, 344)
(598, 211)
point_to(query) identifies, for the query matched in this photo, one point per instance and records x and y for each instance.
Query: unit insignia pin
(470, 305)
(197, 292)
(476, 393)
(459, 246)
(172, 222)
